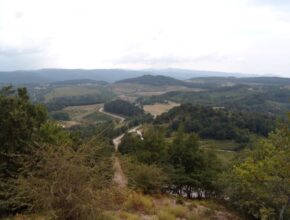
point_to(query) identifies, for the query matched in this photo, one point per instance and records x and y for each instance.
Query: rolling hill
(231, 81)
(109, 75)
(156, 81)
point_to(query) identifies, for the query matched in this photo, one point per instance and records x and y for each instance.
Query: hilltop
(158, 80)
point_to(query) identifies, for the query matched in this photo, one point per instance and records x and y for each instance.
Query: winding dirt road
(122, 119)
(120, 178)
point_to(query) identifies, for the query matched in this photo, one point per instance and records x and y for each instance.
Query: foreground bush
(258, 183)
(148, 178)
(139, 202)
(66, 183)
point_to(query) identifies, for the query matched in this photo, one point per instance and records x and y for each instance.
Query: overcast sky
(250, 36)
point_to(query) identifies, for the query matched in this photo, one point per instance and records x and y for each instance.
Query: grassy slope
(85, 114)
(76, 91)
(136, 206)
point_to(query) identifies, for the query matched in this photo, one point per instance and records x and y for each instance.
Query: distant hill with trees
(268, 99)
(212, 82)
(122, 107)
(156, 81)
(109, 75)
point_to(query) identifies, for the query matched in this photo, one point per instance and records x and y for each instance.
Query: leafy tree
(188, 168)
(20, 121)
(193, 169)
(148, 178)
(152, 150)
(259, 182)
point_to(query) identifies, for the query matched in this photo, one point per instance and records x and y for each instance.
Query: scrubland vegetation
(179, 170)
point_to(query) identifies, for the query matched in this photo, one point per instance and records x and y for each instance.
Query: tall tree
(20, 120)
(260, 182)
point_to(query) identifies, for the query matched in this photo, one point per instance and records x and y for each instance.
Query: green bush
(148, 178)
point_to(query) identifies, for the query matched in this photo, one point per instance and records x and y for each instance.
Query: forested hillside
(123, 108)
(268, 99)
(155, 81)
(218, 123)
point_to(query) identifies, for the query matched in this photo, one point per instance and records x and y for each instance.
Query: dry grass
(141, 207)
(140, 203)
(159, 108)
(163, 215)
(128, 216)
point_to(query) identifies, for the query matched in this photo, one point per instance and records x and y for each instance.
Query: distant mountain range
(108, 75)
(227, 81)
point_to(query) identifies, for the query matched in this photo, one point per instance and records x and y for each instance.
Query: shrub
(128, 216)
(178, 211)
(163, 215)
(148, 178)
(139, 202)
(65, 183)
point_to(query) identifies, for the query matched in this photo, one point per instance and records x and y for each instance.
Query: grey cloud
(14, 51)
(12, 58)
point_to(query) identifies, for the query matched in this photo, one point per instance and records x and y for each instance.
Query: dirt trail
(119, 177)
(117, 141)
(138, 131)
(122, 119)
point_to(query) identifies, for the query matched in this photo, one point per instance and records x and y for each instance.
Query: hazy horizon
(151, 70)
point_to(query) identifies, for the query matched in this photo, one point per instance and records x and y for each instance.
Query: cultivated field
(77, 91)
(85, 114)
(159, 108)
(134, 89)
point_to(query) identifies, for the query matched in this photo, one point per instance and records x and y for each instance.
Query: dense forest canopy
(217, 123)
(123, 108)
